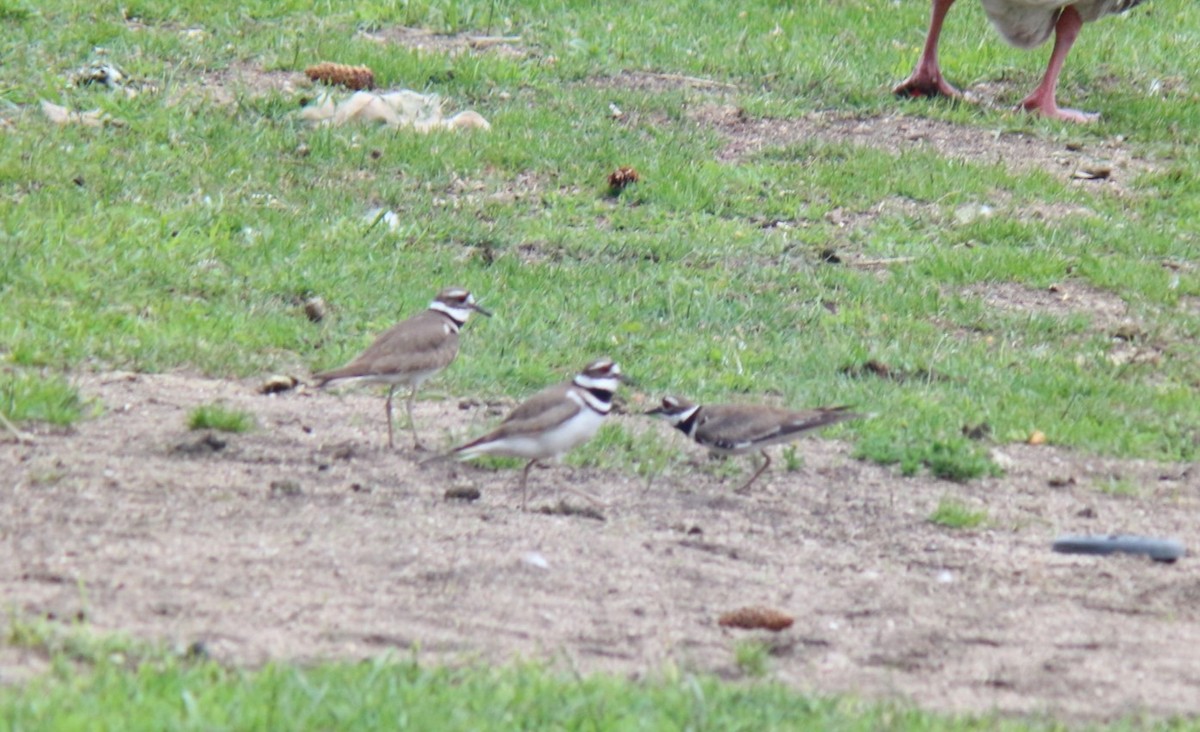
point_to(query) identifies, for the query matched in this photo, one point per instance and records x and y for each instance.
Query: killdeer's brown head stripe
(597, 384)
(457, 304)
(679, 412)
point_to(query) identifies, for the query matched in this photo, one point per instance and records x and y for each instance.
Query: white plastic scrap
(402, 108)
(60, 115)
(535, 559)
(389, 218)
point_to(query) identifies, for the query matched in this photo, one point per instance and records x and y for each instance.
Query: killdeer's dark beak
(626, 380)
(481, 310)
(654, 412)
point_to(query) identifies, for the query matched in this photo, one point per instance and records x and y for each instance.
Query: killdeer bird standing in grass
(553, 421)
(411, 351)
(737, 429)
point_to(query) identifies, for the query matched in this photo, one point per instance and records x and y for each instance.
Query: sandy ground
(307, 539)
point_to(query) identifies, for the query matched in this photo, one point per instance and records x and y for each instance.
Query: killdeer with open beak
(737, 429)
(553, 421)
(411, 351)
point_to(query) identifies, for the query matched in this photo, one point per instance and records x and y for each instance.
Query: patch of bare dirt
(450, 44)
(463, 192)
(223, 86)
(892, 206)
(1107, 311)
(1015, 150)
(306, 539)
(659, 82)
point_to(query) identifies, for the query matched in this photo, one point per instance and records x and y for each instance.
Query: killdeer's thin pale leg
(412, 423)
(552, 422)
(410, 352)
(745, 487)
(387, 407)
(737, 429)
(525, 482)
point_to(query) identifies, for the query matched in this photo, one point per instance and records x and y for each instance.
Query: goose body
(1029, 23)
(1025, 24)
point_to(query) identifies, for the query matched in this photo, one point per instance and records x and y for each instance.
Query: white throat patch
(585, 398)
(458, 315)
(677, 419)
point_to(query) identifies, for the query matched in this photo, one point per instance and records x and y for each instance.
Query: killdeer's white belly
(554, 441)
(404, 378)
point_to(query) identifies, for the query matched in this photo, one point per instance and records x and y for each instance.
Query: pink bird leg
(926, 79)
(1043, 99)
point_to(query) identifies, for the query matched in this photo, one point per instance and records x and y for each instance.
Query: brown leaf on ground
(756, 618)
(351, 77)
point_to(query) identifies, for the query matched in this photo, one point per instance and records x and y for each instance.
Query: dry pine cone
(351, 77)
(621, 177)
(752, 618)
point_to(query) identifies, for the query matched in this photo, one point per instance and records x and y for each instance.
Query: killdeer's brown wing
(426, 342)
(543, 411)
(737, 428)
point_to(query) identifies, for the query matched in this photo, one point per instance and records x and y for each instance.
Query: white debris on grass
(60, 115)
(535, 559)
(398, 109)
(389, 218)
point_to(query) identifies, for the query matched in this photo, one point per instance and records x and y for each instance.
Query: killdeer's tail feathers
(472, 449)
(327, 377)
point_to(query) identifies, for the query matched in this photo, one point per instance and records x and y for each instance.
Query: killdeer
(553, 421)
(411, 351)
(737, 429)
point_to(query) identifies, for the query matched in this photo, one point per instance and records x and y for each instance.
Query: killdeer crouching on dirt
(553, 421)
(410, 352)
(736, 429)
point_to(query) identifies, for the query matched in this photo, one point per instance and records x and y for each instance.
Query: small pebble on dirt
(207, 444)
(754, 618)
(462, 494)
(565, 509)
(315, 309)
(278, 383)
(285, 489)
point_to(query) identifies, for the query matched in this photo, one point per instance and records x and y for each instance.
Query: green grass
(954, 458)
(752, 657)
(71, 644)
(955, 514)
(109, 682)
(32, 396)
(1119, 486)
(189, 236)
(167, 692)
(221, 418)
